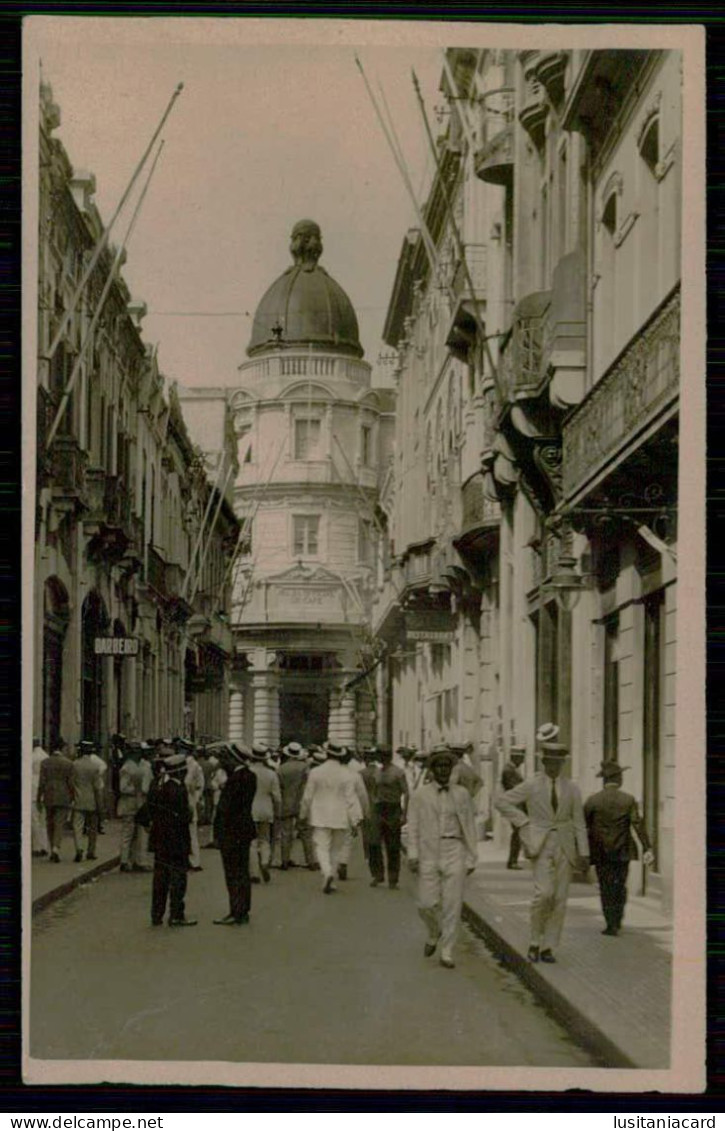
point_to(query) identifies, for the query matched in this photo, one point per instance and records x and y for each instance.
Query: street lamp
(566, 583)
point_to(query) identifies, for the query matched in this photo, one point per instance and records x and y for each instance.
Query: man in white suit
(330, 805)
(442, 851)
(554, 837)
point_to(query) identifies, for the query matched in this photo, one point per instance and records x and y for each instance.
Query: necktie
(554, 801)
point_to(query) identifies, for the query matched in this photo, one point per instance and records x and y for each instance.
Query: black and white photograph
(363, 606)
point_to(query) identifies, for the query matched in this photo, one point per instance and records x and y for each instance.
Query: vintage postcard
(364, 417)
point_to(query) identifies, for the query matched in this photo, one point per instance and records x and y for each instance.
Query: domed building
(313, 438)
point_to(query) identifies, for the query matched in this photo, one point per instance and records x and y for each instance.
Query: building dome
(305, 306)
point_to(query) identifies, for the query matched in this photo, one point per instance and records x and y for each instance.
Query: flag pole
(97, 313)
(105, 234)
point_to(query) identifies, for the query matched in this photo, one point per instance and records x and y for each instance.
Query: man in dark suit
(511, 777)
(170, 842)
(56, 793)
(234, 831)
(611, 815)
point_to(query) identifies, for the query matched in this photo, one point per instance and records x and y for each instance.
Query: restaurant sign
(115, 646)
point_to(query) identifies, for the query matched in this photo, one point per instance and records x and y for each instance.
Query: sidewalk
(53, 881)
(613, 994)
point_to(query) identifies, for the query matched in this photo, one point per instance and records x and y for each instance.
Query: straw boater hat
(175, 764)
(319, 756)
(611, 770)
(259, 752)
(518, 748)
(547, 732)
(442, 752)
(333, 750)
(293, 750)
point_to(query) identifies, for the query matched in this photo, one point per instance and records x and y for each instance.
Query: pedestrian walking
(464, 773)
(170, 842)
(55, 793)
(102, 768)
(343, 859)
(442, 851)
(610, 817)
(234, 831)
(117, 758)
(292, 776)
(554, 836)
(130, 800)
(391, 800)
(511, 776)
(38, 830)
(87, 800)
(372, 845)
(330, 804)
(267, 802)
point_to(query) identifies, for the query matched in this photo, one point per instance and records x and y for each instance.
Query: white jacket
(330, 800)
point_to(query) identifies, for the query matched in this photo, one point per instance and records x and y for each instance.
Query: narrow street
(313, 979)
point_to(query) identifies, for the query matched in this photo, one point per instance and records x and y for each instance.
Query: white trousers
(260, 853)
(194, 854)
(343, 856)
(131, 848)
(39, 833)
(440, 893)
(552, 875)
(328, 846)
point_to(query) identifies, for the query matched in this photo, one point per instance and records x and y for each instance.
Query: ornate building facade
(536, 327)
(131, 608)
(312, 438)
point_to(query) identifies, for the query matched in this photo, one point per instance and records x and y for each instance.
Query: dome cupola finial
(306, 245)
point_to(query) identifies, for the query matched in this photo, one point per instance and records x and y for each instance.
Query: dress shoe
(547, 956)
(77, 859)
(55, 856)
(612, 931)
(329, 886)
(183, 922)
(283, 867)
(194, 868)
(265, 873)
(533, 954)
(91, 856)
(227, 921)
(342, 871)
(290, 864)
(449, 964)
(430, 948)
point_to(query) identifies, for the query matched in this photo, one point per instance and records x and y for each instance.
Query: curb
(51, 896)
(577, 1024)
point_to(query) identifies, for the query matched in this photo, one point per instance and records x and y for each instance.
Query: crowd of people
(260, 804)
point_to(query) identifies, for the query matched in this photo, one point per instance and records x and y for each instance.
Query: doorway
(303, 717)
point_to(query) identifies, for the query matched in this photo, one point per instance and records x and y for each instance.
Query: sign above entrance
(437, 626)
(115, 646)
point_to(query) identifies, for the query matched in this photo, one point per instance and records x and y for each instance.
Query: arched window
(609, 214)
(649, 146)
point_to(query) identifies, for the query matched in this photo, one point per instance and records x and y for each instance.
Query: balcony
(550, 71)
(494, 161)
(479, 512)
(535, 108)
(66, 467)
(565, 330)
(469, 289)
(156, 572)
(520, 371)
(637, 394)
(117, 504)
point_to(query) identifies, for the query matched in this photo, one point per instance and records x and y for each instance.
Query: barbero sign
(434, 625)
(115, 646)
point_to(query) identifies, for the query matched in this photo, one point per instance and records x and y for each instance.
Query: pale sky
(262, 135)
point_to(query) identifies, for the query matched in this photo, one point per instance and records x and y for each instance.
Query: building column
(341, 727)
(266, 708)
(236, 715)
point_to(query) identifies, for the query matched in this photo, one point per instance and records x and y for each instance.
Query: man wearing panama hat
(234, 831)
(331, 807)
(170, 842)
(442, 850)
(554, 837)
(292, 776)
(610, 816)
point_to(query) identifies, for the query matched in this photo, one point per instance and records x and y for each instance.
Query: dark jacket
(510, 776)
(233, 824)
(292, 778)
(170, 814)
(611, 815)
(55, 788)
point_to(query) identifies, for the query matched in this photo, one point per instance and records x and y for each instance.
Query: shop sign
(437, 626)
(115, 646)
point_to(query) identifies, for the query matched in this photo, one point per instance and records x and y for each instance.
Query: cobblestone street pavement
(313, 979)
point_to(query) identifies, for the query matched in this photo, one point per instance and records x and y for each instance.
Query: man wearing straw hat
(170, 841)
(292, 776)
(554, 837)
(234, 830)
(442, 851)
(611, 815)
(331, 806)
